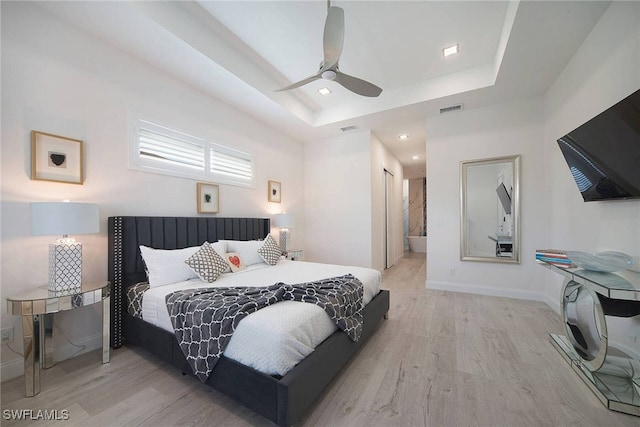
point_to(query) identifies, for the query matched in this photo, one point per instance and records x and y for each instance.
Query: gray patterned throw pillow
(270, 251)
(207, 263)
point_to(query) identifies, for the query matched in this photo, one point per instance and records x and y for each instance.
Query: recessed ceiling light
(324, 91)
(451, 50)
(403, 137)
(416, 157)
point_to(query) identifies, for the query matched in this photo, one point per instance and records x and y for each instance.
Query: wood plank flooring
(441, 359)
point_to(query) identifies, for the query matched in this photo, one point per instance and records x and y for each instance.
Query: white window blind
(228, 164)
(179, 151)
(162, 150)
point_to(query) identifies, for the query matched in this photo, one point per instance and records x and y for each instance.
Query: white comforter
(276, 338)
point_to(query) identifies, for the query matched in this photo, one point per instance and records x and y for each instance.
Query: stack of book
(555, 257)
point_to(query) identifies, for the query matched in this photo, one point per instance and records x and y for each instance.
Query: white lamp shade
(64, 218)
(283, 220)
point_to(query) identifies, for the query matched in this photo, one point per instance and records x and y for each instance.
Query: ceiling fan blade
(301, 82)
(356, 85)
(333, 42)
(333, 38)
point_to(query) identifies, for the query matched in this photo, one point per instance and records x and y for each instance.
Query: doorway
(415, 214)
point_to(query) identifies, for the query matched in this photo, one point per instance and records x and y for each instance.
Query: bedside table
(35, 307)
(294, 254)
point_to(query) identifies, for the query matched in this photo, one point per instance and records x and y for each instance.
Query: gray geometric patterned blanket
(204, 319)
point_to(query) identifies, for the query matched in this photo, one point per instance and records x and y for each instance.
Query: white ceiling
(242, 51)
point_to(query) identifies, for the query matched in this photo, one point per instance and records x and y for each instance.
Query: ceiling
(242, 51)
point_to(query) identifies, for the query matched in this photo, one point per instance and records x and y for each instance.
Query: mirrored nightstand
(36, 308)
(294, 254)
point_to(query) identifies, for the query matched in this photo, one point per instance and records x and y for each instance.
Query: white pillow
(235, 262)
(167, 266)
(247, 250)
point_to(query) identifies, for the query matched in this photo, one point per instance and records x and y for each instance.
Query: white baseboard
(485, 290)
(15, 367)
(495, 292)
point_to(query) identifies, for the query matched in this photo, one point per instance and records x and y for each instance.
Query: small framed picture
(56, 158)
(208, 198)
(275, 191)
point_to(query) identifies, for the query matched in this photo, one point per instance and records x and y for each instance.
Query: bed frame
(283, 400)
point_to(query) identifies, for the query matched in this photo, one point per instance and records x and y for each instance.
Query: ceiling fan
(332, 42)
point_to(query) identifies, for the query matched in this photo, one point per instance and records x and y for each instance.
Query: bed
(282, 394)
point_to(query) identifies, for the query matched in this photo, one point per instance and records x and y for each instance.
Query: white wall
(60, 80)
(605, 70)
(344, 200)
(415, 171)
(494, 131)
(338, 198)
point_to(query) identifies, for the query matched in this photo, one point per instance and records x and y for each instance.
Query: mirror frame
(515, 216)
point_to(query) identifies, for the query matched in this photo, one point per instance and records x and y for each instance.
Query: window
(231, 166)
(162, 150)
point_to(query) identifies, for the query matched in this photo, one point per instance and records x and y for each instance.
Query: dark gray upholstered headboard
(127, 233)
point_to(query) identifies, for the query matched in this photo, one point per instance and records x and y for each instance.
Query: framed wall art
(56, 158)
(275, 191)
(208, 198)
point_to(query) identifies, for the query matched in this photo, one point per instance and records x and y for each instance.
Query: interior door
(388, 220)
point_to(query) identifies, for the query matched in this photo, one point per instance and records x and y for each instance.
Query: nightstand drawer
(294, 254)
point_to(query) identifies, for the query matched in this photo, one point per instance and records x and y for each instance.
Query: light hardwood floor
(441, 359)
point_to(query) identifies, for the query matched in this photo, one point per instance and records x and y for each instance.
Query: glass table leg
(106, 325)
(46, 341)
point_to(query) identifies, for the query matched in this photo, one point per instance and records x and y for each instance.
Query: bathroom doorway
(415, 214)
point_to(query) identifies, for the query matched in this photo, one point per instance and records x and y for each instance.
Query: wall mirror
(489, 206)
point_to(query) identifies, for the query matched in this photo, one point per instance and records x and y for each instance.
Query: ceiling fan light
(329, 75)
(324, 91)
(451, 50)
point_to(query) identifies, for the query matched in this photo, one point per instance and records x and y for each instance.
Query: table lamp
(284, 221)
(65, 255)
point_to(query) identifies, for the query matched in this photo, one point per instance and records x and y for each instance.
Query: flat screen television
(604, 153)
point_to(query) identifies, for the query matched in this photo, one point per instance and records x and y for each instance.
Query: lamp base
(284, 240)
(65, 267)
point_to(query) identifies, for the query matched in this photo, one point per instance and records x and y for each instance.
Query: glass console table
(587, 298)
(504, 246)
(36, 307)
